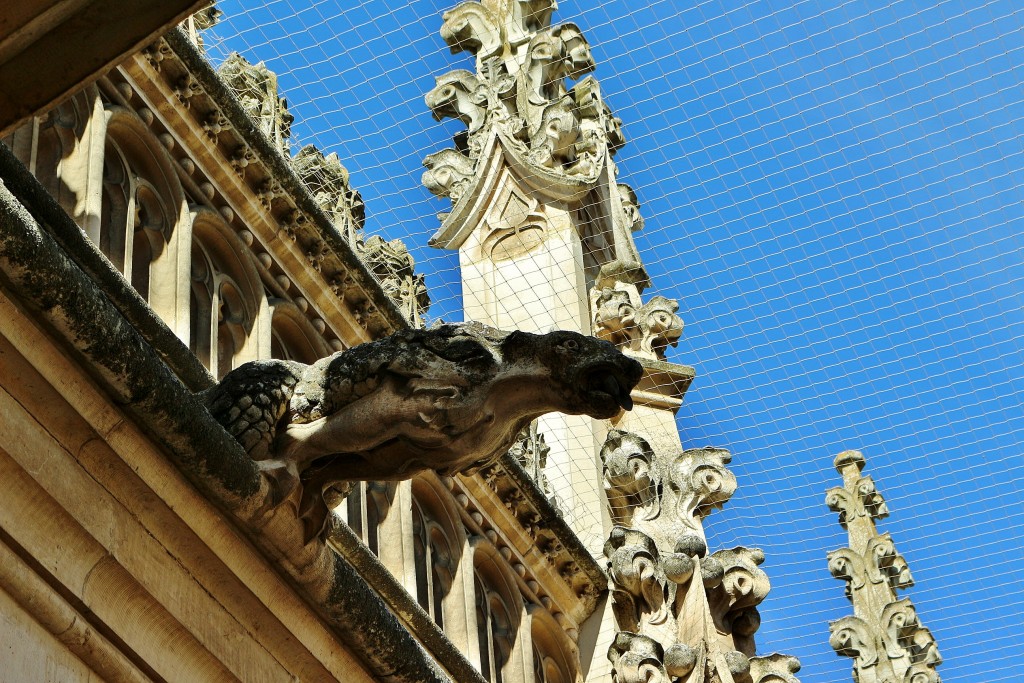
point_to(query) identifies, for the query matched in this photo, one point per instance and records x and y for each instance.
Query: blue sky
(834, 193)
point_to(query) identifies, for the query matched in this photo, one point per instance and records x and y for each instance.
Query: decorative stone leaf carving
(921, 673)
(734, 601)
(923, 649)
(449, 173)
(255, 86)
(853, 637)
(864, 500)
(328, 181)
(637, 659)
(848, 565)
(701, 609)
(576, 51)
(774, 668)
(531, 451)
(634, 566)
(629, 478)
(644, 329)
(473, 28)
(659, 325)
(551, 144)
(519, 87)
(899, 620)
(883, 563)
(394, 266)
(207, 17)
(698, 482)
(460, 95)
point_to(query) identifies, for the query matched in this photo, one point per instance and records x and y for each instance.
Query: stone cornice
(663, 384)
(504, 505)
(268, 181)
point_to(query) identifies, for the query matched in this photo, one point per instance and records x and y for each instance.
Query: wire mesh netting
(833, 192)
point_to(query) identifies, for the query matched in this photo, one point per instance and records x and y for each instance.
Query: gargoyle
(446, 399)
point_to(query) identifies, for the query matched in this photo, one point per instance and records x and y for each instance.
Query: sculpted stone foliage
(885, 639)
(644, 329)
(734, 601)
(863, 500)
(328, 181)
(853, 637)
(531, 451)
(629, 479)
(255, 86)
(774, 668)
(394, 266)
(683, 615)
(637, 659)
(446, 399)
(517, 104)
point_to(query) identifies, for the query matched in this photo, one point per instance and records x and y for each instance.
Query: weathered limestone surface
(76, 326)
(444, 399)
(884, 637)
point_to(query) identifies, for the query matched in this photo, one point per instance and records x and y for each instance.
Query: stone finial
(255, 86)
(556, 137)
(848, 459)
(884, 639)
(642, 329)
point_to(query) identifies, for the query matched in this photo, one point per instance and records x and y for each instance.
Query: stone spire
(884, 637)
(682, 614)
(545, 238)
(533, 177)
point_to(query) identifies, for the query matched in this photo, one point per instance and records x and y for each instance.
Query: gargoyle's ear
(516, 344)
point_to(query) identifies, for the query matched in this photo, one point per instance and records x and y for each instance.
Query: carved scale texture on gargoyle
(682, 614)
(447, 399)
(328, 181)
(884, 637)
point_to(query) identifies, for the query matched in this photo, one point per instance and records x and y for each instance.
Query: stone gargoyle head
(446, 399)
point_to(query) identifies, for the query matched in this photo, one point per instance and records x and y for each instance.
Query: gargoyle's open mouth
(605, 383)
